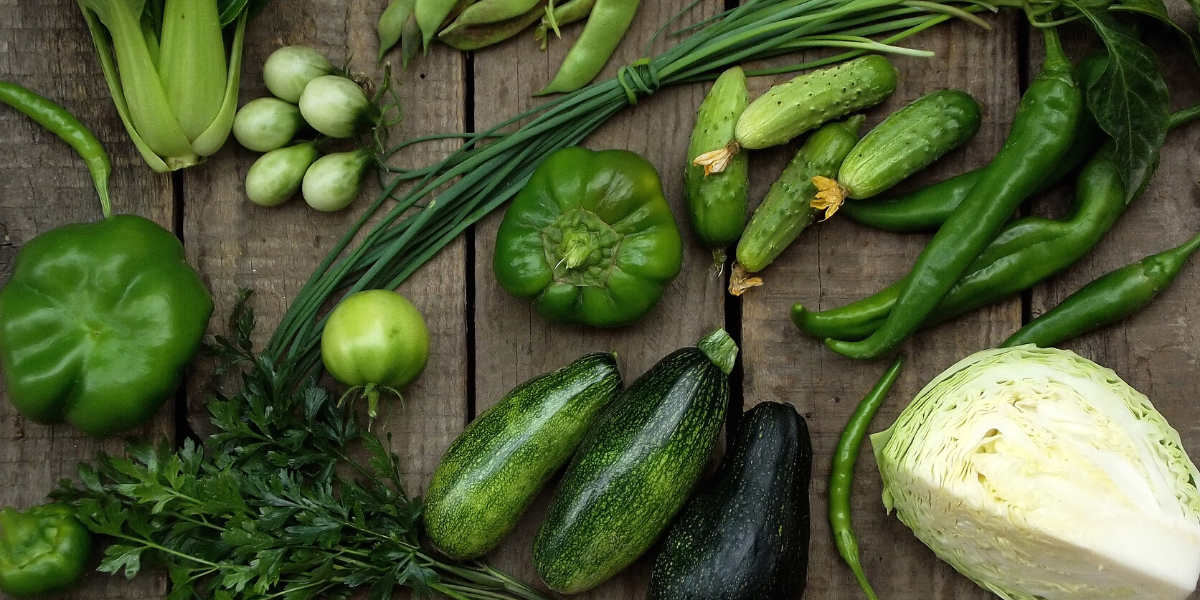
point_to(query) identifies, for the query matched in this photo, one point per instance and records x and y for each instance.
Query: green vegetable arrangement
(172, 79)
(1040, 474)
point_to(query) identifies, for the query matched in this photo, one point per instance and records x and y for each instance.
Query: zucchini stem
(720, 349)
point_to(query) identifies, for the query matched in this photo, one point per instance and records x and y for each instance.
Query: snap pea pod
(398, 25)
(927, 208)
(1041, 134)
(1106, 300)
(717, 203)
(490, 12)
(606, 25)
(1026, 252)
(557, 15)
(480, 36)
(841, 477)
(786, 210)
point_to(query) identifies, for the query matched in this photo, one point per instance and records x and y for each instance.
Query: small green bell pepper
(590, 238)
(43, 549)
(97, 322)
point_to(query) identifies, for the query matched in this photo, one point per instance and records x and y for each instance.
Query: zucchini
(717, 202)
(909, 140)
(746, 536)
(804, 103)
(495, 468)
(635, 469)
(786, 210)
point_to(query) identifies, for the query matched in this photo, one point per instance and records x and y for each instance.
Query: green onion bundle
(493, 165)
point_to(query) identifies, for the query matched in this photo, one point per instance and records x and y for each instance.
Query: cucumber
(746, 536)
(786, 210)
(717, 202)
(909, 140)
(495, 468)
(812, 99)
(635, 469)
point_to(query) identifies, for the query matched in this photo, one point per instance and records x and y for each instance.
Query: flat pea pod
(1041, 134)
(1106, 300)
(557, 15)
(804, 103)
(927, 208)
(487, 12)
(786, 210)
(398, 25)
(841, 476)
(481, 36)
(717, 203)
(907, 141)
(430, 14)
(607, 24)
(61, 123)
(1026, 252)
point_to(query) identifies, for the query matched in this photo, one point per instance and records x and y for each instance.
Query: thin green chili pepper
(558, 15)
(607, 24)
(1108, 299)
(479, 36)
(841, 477)
(1026, 252)
(1052, 105)
(61, 123)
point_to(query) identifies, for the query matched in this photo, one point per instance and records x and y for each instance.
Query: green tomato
(375, 339)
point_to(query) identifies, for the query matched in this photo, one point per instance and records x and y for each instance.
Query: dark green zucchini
(636, 468)
(745, 537)
(496, 467)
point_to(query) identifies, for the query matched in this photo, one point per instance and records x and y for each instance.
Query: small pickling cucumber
(717, 202)
(909, 140)
(787, 208)
(496, 467)
(636, 467)
(804, 103)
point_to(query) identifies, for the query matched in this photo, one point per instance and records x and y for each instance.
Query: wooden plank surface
(235, 244)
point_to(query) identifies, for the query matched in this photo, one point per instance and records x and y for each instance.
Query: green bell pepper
(44, 549)
(97, 322)
(590, 238)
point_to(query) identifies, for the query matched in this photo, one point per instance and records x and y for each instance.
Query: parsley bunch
(272, 505)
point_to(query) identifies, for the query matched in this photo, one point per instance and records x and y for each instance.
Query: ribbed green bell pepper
(589, 238)
(43, 549)
(97, 322)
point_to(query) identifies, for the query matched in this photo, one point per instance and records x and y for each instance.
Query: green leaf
(1157, 10)
(1129, 100)
(120, 557)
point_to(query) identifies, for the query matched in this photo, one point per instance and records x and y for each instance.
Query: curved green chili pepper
(1026, 252)
(1106, 300)
(841, 477)
(607, 24)
(1050, 107)
(61, 123)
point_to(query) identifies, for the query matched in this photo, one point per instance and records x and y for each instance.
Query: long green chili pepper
(1026, 252)
(1108, 299)
(61, 123)
(1041, 134)
(841, 477)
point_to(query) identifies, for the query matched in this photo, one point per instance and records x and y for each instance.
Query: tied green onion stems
(491, 166)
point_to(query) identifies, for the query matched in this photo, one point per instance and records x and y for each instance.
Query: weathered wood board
(485, 341)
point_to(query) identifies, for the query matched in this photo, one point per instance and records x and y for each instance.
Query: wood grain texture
(273, 250)
(43, 185)
(839, 261)
(512, 341)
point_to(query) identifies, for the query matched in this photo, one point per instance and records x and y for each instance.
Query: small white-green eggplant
(336, 106)
(276, 175)
(267, 124)
(334, 180)
(289, 69)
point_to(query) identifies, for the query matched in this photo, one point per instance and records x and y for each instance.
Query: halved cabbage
(1042, 475)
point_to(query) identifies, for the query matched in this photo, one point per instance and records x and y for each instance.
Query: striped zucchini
(496, 467)
(634, 471)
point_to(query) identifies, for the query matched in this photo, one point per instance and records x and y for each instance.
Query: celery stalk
(211, 140)
(192, 65)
